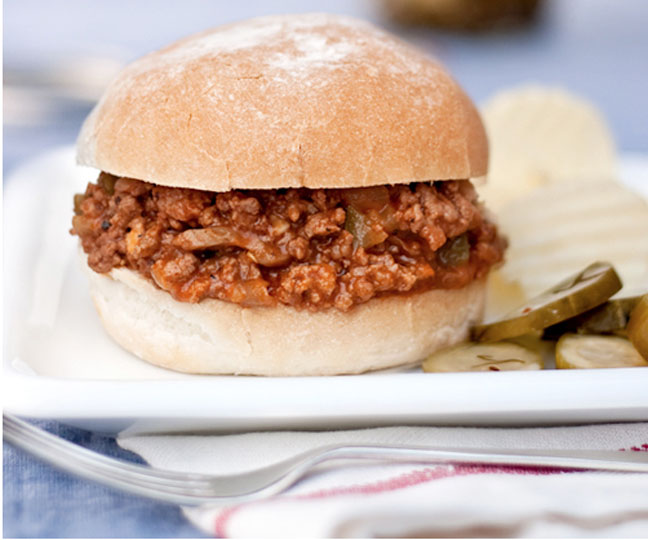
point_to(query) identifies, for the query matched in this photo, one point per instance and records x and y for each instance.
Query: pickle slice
(501, 356)
(610, 317)
(638, 327)
(570, 297)
(574, 351)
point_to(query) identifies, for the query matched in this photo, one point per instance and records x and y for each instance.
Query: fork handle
(564, 459)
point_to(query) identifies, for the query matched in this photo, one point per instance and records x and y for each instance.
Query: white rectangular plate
(59, 363)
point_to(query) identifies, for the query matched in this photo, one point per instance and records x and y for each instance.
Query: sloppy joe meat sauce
(307, 248)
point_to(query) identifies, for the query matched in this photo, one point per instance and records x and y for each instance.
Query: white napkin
(400, 500)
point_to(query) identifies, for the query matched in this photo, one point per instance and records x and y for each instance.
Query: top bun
(319, 101)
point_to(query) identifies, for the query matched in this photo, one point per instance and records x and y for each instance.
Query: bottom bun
(219, 337)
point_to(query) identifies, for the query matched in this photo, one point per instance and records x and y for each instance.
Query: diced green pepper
(455, 252)
(366, 232)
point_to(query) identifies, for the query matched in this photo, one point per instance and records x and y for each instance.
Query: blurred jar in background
(468, 15)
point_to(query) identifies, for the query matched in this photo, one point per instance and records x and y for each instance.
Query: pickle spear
(638, 327)
(574, 351)
(569, 298)
(501, 356)
(610, 317)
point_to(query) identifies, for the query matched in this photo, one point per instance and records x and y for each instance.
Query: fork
(197, 489)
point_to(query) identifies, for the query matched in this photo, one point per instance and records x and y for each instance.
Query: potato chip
(502, 296)
(539, 136)
(561, 228)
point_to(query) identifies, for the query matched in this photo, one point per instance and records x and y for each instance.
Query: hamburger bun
(319, 101)
(219, 337)
(315, 101)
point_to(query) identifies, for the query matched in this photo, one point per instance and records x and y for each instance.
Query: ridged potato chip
(560, 228)
(540, 136)
(503, 295)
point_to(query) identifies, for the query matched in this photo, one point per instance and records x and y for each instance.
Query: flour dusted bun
(319, 101)
(284, 101)
(221, 337)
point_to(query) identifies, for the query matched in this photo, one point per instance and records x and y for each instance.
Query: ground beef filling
(307, 248)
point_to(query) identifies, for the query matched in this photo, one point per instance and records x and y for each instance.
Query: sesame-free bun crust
(219, 337)
(285, 101)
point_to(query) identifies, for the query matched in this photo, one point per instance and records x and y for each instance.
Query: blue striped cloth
(41, 501)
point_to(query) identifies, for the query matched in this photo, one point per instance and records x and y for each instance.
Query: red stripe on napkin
(422, 476)
(402, 481)
(641, 448)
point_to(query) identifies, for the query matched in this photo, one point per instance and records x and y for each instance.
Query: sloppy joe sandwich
(288, 195)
